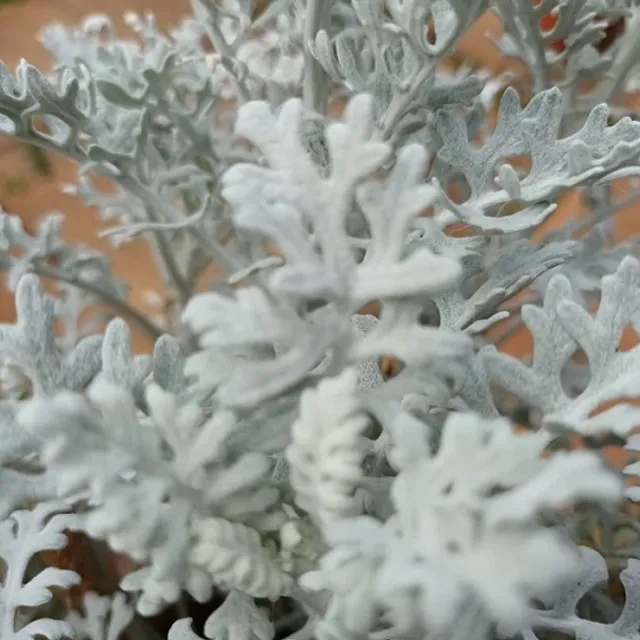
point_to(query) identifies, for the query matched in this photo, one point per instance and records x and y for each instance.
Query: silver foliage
(23, 535)
(259, 450)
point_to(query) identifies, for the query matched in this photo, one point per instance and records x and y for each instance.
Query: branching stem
(149, 328)
(315, 89)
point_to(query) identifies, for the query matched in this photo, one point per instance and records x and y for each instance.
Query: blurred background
(32, 181)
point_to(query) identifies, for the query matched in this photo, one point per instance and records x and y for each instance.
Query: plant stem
(143, 323)
(542, 72)
(315, 87)
(227, 54)
(401, 102)
(608, 212)
(184, 124)
(215, 250)
(155, 204)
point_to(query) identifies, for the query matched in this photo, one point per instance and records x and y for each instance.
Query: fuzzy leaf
(532, 130)
(238, 618)
(23, 535)
(560, 328)
(31, 343)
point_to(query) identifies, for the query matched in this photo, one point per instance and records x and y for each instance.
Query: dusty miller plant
(324, 155)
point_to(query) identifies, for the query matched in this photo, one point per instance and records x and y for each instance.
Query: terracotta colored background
(19, 25)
